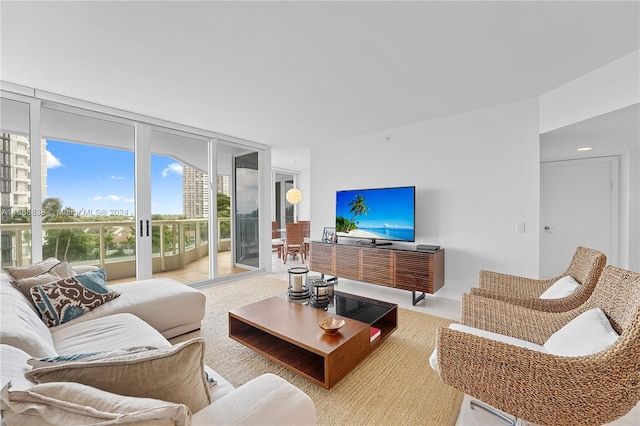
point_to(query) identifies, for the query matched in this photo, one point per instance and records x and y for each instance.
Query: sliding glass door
(247, 210)
(180, 192)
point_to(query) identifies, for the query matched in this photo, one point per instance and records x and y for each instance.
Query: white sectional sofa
(157, 383)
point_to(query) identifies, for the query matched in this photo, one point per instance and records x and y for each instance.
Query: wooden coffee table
(288, 334)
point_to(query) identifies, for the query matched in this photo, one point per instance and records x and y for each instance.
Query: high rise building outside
(15, 184)
(195, 193)
(222, 184)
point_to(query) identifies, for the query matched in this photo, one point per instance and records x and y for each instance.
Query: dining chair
(294, 242)
(306, 230)
(277, 243)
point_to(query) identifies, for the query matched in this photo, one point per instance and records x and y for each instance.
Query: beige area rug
(394, 385)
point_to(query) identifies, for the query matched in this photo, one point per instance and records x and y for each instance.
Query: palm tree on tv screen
(358, 207)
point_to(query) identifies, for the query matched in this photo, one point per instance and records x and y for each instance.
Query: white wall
(609, 88)
(476, 175)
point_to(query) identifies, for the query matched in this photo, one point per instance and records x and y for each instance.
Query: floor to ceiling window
(180, 192)
(232, 248)
(15, 183)
(89, 205)
(129, 195)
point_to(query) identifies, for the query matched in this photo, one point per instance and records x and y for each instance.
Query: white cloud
(52, 161)
(174, 168)
(116, 177)
(109, 198)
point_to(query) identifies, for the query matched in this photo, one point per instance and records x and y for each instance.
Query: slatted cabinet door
(348, 262)
(377, 266)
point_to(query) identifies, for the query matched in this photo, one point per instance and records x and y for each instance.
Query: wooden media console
(407, 269)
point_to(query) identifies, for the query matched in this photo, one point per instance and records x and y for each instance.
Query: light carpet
(394, 385)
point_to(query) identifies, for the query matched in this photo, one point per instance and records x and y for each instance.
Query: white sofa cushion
(433, 359)
(256, 403)
(167, 305)
(173, 374)
(587, 334)
(66, 403)
(564, 287)
(13, 366)
(105, 333)
(119, 305)
(21, 325)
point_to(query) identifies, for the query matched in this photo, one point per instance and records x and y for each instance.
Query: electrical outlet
(520, 227)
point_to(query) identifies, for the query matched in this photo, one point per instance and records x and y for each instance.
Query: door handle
(548, 229)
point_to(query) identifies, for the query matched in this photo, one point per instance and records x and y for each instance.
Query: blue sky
(91, 178)
(388, 207)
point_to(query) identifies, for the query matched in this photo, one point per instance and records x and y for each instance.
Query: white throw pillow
(564, 287)
(587, 334)
(174, 374)
(68, 403)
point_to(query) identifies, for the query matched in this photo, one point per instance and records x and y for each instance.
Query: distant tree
(224, 205)
(53, 212)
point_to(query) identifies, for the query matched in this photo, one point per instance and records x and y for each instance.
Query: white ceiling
(609, 134)
(299, 73)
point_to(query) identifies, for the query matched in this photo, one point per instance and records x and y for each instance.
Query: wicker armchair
(586, 266)
(539, 387)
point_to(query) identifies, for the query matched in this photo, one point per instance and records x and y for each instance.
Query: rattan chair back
(585, 267)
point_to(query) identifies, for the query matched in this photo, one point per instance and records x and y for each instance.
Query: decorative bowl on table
(331, 325)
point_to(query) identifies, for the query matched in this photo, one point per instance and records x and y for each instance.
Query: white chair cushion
(586, 334)
(433, 359)
(564, 287)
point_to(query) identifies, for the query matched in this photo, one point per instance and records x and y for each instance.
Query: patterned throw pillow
(71, 297)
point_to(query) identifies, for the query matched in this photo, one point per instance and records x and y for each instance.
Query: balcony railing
(111, 244)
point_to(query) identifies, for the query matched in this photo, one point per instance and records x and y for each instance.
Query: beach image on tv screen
(383, 213)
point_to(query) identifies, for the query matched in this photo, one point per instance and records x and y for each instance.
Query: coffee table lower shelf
(295, 358)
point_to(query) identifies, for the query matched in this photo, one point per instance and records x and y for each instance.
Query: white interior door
(579, 207)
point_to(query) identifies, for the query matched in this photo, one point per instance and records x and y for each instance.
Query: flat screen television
(386, 214)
